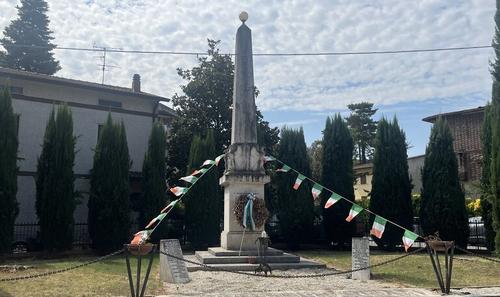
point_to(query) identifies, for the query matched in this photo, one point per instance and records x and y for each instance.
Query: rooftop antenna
(103, 66)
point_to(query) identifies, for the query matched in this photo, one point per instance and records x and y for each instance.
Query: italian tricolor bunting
(208, 162)
(140, 237)
(355, 210)
(285, 168)
(408, 239)
(155, 221)
(298, 181)
(198, 171)
(178, 191)
(169, 206)
(190, 179)
(378, 227)
(332, 200)
(269, 159)
(217, 160)
(316, 190)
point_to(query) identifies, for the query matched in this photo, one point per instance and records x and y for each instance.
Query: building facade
(33, 98)
(466, 128)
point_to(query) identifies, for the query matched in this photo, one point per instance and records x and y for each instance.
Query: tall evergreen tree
(55, 193)
(315, 153)
(295, 207)
(495, 130)
(154, 175)
(8, 171)
(337, 174)
(203, 202)
(28, 40)
(109, 205)
(362, 128)
(205, 103)
(486, 193)
(443, 203)
(391, 182)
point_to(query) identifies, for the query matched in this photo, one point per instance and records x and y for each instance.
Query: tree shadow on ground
(4, 294)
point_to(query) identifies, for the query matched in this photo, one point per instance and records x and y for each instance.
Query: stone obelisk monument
(244, 172)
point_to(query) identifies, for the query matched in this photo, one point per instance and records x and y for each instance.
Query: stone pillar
(244, 166)
(361, 257)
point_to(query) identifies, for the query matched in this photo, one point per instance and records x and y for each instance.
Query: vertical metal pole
(148, 271)
(450, 267)
(431, 255)
(137, 288)
(131, 283)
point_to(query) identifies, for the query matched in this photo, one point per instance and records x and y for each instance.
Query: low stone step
(221, 252)
(206, 257)
(304, 263)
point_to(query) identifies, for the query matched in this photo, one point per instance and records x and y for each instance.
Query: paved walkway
(220, 284)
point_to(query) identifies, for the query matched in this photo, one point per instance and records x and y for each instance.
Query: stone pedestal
(236, 184)
(361, 257)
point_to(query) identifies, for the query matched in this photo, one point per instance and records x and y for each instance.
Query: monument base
(248, 260)
(233, 240)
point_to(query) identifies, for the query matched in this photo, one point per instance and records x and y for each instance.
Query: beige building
(364, 174)
(35, 95)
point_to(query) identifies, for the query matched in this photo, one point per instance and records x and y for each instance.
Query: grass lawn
(416, 270)
(108, 278)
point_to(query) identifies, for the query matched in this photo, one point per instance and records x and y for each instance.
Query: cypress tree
(495, 130)
(486, 194)
(203, 201)
(295, 207)
(337, 174)
(154, 175)
(391, 184)
(443, 203)
(109, 205)
(30, 29)
(8, 171)
(55, 194)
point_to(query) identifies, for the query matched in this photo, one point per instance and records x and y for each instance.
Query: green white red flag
(169, 206)
(269, 159)
(154, 222)
(332, 200)
(355, 210)
(316, 190)
(298, 181)
(409, 238)
(190, 179)
(208, 162)
(178, 191)
(378, 227)
(198, 171)
(140, 237)
(285, 168)
(217, 160)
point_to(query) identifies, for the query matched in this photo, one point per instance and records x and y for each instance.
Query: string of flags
(379, 222)
(142, 236)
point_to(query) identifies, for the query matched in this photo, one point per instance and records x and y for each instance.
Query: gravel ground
(215, 284)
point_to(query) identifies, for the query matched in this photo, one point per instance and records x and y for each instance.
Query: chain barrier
(61, 270)
(477, 255)
(212, 268)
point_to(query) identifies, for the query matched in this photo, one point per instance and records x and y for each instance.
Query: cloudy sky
(295, 91)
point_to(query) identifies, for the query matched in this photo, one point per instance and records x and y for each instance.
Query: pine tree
(55, 194)
(391, 183)
(109, 205)
(337, 174)
(443, 203)
(495, 130)
(203, 202)
(31, 31)
(154, 196)
(486, 197)
(362, 128)
(295, 207)
(8, 171)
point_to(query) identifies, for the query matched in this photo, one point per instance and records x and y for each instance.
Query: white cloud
(294, 83)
